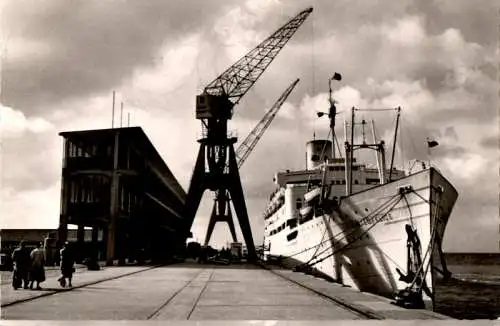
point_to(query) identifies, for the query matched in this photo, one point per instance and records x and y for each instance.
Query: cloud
(95, 46)
(27, 147)
(491, 142)
(287, 111)
(437, 60)
(14, 124)
(168, 75)
(407, 32)
(37, 208)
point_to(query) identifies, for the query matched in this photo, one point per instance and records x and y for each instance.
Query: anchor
(411, 296)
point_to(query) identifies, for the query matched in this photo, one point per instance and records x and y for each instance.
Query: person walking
(37, 273)
(21, 260)
(67, 265)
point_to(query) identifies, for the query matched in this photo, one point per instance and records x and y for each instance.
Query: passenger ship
(378, 230)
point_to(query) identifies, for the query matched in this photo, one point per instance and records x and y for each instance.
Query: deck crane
(221, 212)
(216, 168)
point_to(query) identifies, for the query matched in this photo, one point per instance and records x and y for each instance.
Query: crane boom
(216, 167)
(251, 140)
(239, 78)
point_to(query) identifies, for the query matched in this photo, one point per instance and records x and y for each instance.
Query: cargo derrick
(216, 167)
(221, 211)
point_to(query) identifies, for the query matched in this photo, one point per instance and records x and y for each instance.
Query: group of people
(29, 267)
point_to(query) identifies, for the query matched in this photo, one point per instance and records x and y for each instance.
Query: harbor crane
(216, 168)
(221, 211)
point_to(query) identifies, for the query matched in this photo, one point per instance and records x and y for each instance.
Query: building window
(72, 149)
(72, 197)
(81, 198)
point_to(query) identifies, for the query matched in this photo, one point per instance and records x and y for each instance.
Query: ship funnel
(316, 153)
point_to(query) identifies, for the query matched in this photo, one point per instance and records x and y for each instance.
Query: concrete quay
(377, 307)
(191, 291)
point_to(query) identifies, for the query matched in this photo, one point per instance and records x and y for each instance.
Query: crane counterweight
(213, 107)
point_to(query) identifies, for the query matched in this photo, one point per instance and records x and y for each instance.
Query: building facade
(114, 181)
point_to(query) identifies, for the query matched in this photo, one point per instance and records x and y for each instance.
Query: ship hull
(362, 241)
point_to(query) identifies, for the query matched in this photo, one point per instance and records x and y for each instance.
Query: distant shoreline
(472, 258)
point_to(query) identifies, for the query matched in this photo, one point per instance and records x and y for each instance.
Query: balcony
(89, 163)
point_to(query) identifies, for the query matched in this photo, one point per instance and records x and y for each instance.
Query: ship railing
(273, 209)
(280, 191)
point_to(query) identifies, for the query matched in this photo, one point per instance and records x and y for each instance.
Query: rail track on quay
(185, 291)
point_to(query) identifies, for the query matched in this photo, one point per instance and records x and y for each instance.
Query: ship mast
(349, 151)
(333, 110)
(351, 156)
(380, 156)
(394, 143)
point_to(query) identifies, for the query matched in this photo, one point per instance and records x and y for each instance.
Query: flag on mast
(432, 143)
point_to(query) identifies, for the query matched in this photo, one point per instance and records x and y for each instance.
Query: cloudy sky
(437, 59)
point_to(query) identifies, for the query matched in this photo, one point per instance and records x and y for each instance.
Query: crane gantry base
(222, 216)
(225, 181)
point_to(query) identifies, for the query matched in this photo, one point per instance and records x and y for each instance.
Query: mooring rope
(375, 211)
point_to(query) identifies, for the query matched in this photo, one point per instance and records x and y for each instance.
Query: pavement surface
(6, 276)
(82, 277)
(190, 291)
(375, 306)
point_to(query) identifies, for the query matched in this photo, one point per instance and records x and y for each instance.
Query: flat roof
(137, 136)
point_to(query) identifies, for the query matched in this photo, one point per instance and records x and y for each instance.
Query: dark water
(474, 290)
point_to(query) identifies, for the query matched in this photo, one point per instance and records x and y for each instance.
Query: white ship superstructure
(376, 229)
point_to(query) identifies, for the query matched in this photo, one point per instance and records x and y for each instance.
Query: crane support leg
(221, 217)
(211, 225)
(196, 189)
(236, 192)
(230, 222)
(223, 181)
